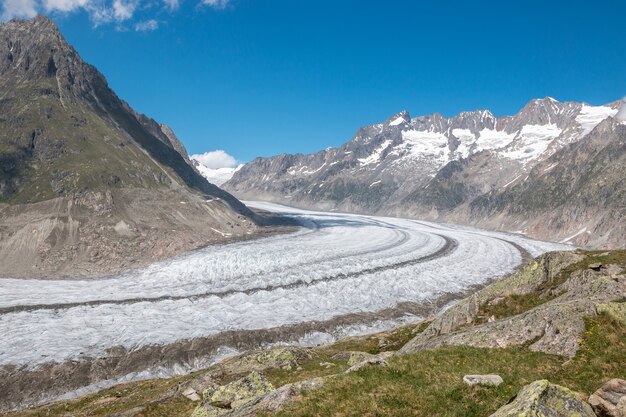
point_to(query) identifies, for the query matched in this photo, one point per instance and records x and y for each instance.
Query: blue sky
(262, 77)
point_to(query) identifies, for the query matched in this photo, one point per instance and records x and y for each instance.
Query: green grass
(156, 397)
(391, 341)
(79, 148)
(430, 383)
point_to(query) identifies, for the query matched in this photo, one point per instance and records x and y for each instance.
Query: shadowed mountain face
(554, 170)
(59, 111)
(98, 174)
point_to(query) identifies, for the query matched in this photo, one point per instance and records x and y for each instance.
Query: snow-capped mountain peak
(385, 162)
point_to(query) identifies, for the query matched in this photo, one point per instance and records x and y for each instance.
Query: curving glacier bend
(336, 264)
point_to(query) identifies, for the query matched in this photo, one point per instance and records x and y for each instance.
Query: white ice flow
(337, 264)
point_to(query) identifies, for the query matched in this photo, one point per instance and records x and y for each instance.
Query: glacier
(335, 264)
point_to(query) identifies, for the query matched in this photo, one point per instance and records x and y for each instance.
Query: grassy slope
(430, 383)
(80, 148)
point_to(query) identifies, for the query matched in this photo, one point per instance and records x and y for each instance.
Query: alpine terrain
(465, 266)
(554, 170)
(88, 185)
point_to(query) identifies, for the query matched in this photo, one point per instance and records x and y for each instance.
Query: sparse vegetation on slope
(430, 383)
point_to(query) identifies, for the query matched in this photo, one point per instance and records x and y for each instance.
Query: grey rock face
(610, 400)
(526, 172)
(486, 380)
(251, 395)
(553, 327)
(543, 399)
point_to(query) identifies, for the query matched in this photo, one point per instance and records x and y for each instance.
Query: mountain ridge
(387, 168)
(89, 186)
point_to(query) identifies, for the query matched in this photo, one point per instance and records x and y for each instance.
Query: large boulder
(273, 401)
(251, 395)
(543, 399)
(367, 363)
(610, 400)
(220, 401)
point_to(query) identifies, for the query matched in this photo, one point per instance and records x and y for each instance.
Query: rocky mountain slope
(551, 171)
(87, 184)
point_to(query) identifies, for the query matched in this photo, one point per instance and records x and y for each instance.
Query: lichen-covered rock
(543, 399)
(275, 400)
(485, 380)
(271, 401)
(372, 360)
(554, 327)
(241, 391)
(220, 401)
(284, 357)
(356, 357)
(615, 310)
(610, 400)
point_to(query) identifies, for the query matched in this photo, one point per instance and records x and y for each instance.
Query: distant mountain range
(87, 184)
(555, 170)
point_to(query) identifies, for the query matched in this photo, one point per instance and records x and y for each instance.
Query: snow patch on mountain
(591, 116)
(532, 142)
(375, 156)
(397, 121)
(425, 144)
(489, 139)
(467, 139)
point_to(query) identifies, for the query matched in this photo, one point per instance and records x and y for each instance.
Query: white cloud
(147, 26)
(172, 4)
(18, 8)
(218, 4)
(216, 159)
(123, 10)
(101, 11)
(64, 5)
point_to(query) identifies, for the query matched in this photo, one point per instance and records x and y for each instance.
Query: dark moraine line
(526, 256)
(449, 246)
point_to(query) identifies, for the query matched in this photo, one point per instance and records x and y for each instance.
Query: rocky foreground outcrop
(543, 399)
(610, 399)
(558, 291)
(250, 395)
